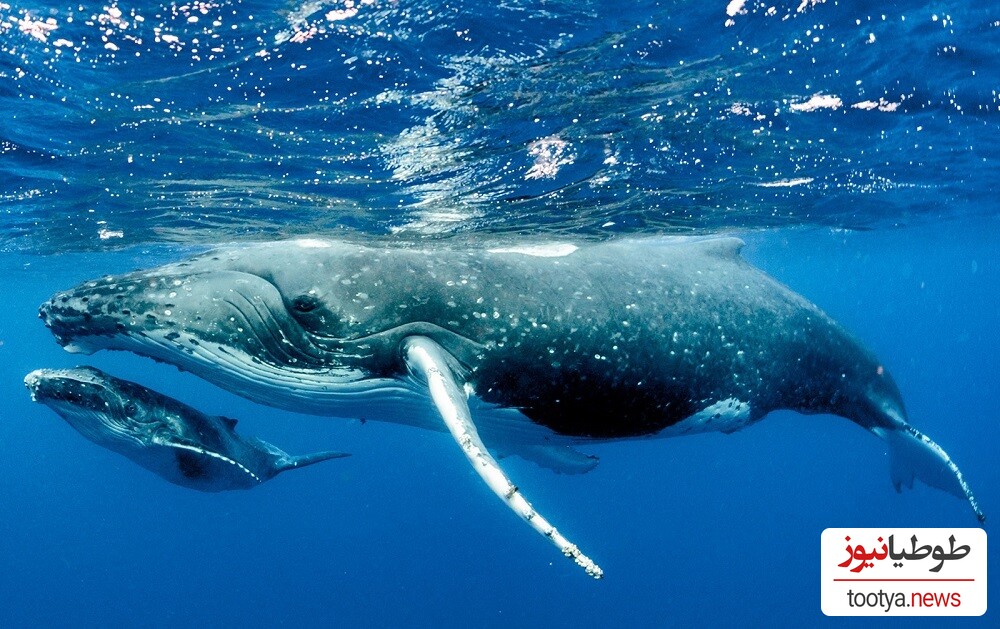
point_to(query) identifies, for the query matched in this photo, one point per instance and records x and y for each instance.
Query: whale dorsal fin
(228, 421)
(728, 247)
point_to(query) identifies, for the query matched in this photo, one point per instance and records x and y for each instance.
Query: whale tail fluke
(284, 461)
(913, 454)
(291, 462)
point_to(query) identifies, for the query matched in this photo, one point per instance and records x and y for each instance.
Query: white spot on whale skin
(548, 250)
(312, 243)
(727, 416)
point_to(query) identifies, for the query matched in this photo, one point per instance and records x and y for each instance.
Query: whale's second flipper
(559, 459)
(431, 363)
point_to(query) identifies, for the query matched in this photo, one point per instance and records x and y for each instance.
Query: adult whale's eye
(305, 303)
(131, 409)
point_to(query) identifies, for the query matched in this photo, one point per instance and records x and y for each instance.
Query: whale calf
(171, 439)
(527, 350)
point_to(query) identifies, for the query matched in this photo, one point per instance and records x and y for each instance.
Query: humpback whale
(171, 439)
(527, 350)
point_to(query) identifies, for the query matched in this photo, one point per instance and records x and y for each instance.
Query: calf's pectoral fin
(193, 459)
(429, 362)
(913, 454)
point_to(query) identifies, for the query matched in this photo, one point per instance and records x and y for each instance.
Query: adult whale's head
(281, 326)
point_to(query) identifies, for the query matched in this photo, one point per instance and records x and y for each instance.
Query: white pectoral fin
(430, 362)
(198, 450)
(913, 454)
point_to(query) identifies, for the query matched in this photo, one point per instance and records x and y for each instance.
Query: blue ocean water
(852, 145)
